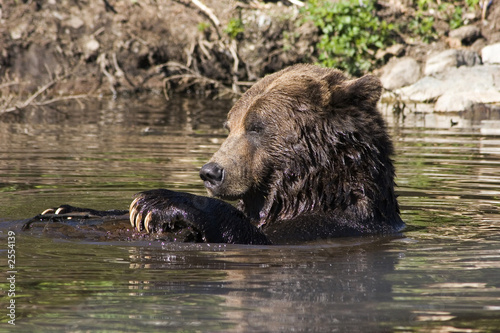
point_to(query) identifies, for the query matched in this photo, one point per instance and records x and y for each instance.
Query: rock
(491, 54)
(466, 34)
(478, 45)
(400, 72)
(426, 89)
(456, 89)
(90, 47)
(450, 58)
(459, 101)
(19, 31)
(394, 50)
(75, 22)
(454, 43)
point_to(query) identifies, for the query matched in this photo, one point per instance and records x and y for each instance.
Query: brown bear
(307, 156)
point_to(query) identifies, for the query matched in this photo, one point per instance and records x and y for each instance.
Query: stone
(400, 72)
(19, 31)
(491, 54)
(460, 101)
(466, 34)
(426, 89)
(456, 89)
(396, 50)
(75, 22)
(450, 58)
(90, 47)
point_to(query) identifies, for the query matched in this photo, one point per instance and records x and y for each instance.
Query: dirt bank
(102, 47)
(53, 50)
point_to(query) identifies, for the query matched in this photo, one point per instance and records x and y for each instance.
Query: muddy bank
(62, 50)
(111, 47)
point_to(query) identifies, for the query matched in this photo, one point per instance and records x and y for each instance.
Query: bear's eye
(256, 128)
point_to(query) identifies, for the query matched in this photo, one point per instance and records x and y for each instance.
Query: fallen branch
(11, 83)
(59, 99)
(30, 101)
(206, 11)
(192, 76)
(233, 49)
(103, 62)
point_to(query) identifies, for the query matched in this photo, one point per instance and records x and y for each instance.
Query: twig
(232, 48)
(206, 11)
(102, 61)
(12, 83)
(30, 99)
(120, 72)
(196, 76)
(484, 8)
(62, 98)
(297, 3)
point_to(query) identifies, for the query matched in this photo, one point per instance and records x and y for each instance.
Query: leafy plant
(456, 20)
(423, 26)
(203, 26)
(351, 33)
(235, 28)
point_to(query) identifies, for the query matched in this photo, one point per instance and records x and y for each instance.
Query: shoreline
(71, 51)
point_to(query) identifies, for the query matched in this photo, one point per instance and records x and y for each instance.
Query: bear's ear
(363, 92)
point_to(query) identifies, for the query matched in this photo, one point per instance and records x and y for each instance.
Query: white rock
(426, 89)
(75, 22)
(467, 34)
(400, 72)
(18, 31)
(491, 54)
(90, 46)
(459, 101)
(442, 61)
(456, 89)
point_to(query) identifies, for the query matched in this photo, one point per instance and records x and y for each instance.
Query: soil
(63, 49)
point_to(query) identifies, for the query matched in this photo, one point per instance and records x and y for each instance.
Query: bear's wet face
(241, 163)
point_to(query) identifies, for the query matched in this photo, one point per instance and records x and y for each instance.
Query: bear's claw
(164, 211)
(144, 215)
(48, 211)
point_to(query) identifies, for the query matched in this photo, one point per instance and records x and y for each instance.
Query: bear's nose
(212, 173)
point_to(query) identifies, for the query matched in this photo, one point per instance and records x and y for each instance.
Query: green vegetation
(351, 33)
(421, 25)
(203, 26)
(235, 28)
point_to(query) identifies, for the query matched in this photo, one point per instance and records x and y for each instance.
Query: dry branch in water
(32, 99)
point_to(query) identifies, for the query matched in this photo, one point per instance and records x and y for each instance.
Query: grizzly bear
(308, 157)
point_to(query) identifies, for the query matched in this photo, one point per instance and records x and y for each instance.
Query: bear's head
(305, 139)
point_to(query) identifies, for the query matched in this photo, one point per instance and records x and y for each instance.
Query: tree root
(33, 99)
(188, 78)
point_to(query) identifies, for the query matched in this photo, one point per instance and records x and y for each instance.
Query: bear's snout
(212, 174)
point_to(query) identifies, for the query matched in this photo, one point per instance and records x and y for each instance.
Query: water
(443, 275)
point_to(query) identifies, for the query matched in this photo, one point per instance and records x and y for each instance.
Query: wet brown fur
(308, 140)
(307, 156)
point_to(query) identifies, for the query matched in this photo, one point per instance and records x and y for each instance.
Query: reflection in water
(442, 276)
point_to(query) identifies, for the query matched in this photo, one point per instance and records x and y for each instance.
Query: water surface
(442, 275)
